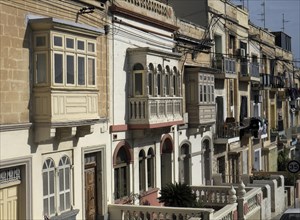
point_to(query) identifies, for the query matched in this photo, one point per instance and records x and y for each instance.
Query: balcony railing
(225, 65)
(140, 212)
(155, 110)
(251, 70)
(212, 195)
(229, 130)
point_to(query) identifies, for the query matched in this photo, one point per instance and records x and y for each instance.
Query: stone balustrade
(228, 212)
(140, 212)
(215, 195)
(249, 203)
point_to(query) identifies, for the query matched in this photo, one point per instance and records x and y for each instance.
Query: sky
(273, 18)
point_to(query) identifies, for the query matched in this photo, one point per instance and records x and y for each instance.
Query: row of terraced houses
(105, 102)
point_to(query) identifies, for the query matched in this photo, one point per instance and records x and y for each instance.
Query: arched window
(167, 81)
(64, 169)
(150, 168)
(184, 164)
(158, 79)
(142, 174)
(150, 79)
(138, 87)
(121, 173)
(48, 187)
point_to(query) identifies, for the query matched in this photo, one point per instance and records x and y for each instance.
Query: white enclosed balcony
(155, 98)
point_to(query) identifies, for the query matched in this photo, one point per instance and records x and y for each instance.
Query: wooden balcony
(226, 68)
(63, 113)
(154, 112)
(201, 115)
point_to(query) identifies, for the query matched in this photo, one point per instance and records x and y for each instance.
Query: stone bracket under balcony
(44, 132)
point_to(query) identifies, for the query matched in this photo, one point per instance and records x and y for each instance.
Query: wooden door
(8, 203)
(90, 192)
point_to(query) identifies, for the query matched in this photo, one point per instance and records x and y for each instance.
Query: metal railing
(225, 64)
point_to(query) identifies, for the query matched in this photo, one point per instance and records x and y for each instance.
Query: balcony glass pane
(41, 68)
(81, 71)
(91, 47)
(80, 45)
(91, 71)
(58, 42)
(138, 84)
(70, 43)
(70, 69)
(58, 68)
(40, 41)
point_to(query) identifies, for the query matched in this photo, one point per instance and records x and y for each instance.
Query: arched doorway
(166, 162)
(184, 164)
(207, 161)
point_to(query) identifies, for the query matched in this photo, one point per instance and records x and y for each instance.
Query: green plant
(283, 159)
(178, 195)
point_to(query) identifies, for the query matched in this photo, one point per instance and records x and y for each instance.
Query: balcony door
(166, 162)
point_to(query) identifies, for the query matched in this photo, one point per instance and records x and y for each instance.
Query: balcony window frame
(206, 88)
(51, 50)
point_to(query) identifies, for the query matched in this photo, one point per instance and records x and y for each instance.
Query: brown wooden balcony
(153, 112)
(201, 115)
(226, 67)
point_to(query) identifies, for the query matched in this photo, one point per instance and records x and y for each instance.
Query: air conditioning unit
(242, 52)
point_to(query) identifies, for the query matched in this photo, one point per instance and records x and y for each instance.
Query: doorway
(93, 186)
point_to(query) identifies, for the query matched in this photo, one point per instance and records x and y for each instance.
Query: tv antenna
(263, 14)
(283, 22)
